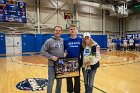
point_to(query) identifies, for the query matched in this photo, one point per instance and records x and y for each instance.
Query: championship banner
(66, 67)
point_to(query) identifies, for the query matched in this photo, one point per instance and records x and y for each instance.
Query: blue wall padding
(80, 35)
(28, 43)
(68, 35)
(65, 36)
(101, 40)
(46, 36)
(39, 42)
(33, 43)
(2, 44)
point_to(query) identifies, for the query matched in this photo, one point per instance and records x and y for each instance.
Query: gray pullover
(53, 47)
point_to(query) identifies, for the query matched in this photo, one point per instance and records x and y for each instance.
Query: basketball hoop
(72, 21)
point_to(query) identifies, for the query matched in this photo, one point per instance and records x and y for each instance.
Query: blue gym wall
(28, 43)
(46, 36)
(2, 44)
(34, 42)
(101, 40)
(39, 42)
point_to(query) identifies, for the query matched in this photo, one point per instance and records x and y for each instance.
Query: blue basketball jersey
(73, 47)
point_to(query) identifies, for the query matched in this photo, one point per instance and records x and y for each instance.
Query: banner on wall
(139, 36)
(128, 36)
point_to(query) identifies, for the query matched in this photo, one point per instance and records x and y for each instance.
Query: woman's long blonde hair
(91, 43)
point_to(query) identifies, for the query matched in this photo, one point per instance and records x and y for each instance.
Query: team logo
(34, 84)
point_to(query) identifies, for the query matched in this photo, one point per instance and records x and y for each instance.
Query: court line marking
(96, 88)
(30, 64)
(26, 63)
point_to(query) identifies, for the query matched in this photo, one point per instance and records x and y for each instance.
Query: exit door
(13, 44)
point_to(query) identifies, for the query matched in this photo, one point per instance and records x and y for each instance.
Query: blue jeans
(88, 79)
(51, 78)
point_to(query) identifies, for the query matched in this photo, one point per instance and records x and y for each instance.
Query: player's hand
(54, 58)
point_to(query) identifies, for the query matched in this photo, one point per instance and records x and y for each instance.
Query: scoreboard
(12, 11)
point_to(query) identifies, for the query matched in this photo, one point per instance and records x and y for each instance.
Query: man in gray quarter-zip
(53, 49)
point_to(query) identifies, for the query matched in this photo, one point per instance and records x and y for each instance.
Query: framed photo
(66, 67)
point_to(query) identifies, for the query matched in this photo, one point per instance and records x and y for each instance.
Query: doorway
(13, 44)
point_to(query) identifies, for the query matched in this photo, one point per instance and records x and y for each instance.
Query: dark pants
(131, 47)
(118, 47)
(76, 87)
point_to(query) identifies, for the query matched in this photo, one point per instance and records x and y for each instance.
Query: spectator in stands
(128, 44)
(136, 43)
(125, 44)
(109, 44)
(53, 48)
(118, 43)
(121, 47)
(131, 44)
(139, 44)
(113, 44)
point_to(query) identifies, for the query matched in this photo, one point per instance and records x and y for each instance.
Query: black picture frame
(66, 67)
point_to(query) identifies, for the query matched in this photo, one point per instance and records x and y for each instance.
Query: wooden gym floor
(119, 73)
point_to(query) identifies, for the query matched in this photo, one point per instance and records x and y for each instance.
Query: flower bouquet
(87, 61)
